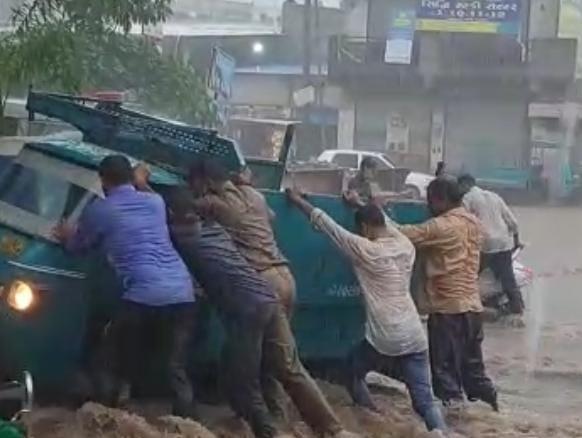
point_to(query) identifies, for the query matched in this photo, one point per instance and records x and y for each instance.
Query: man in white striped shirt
(395, 342)
(501, 237)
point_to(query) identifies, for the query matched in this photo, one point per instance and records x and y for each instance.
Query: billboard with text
(479, 16)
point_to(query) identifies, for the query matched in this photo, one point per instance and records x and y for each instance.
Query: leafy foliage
(162, 84)
(86, 14)
(8, 69)
(83, 45)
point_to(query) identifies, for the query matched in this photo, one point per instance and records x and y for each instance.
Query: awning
(546, 110)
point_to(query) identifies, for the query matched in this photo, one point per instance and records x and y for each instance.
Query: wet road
(539, 369)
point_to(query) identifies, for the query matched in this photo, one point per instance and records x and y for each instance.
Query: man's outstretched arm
(425, 235)
(349, 243)
(85, 235)
(141, 178)
(511, 223)
(298, 200)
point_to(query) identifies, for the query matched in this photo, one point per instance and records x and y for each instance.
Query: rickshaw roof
(89, 155)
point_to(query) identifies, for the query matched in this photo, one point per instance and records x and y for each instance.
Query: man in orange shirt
(451, 243)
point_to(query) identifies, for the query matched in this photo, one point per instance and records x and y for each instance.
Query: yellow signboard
(456, 26)
(477, 16)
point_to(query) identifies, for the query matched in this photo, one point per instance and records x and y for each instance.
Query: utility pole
(318, 36)
(307, 42)
(320, 82)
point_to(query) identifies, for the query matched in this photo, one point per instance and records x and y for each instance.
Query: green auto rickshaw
(48, 296)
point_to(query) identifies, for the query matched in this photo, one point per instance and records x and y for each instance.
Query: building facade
(422, 80)
(436, 80)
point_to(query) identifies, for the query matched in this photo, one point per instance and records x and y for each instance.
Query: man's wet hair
(445, 188)
(116, 170)
(368, 163)
(371, 215)
(440, 169)
(467, 179)
(209, 170)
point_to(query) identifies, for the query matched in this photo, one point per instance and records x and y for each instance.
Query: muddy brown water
(538, 369)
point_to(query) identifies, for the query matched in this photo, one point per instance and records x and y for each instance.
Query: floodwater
(538, 369)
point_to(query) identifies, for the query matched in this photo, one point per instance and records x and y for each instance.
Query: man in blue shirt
(130, 227)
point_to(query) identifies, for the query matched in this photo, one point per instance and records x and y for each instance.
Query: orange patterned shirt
(451, 244)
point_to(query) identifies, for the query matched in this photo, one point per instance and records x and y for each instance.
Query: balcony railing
(439, 58)
(353, 58)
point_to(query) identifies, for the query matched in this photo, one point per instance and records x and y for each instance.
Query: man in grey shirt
(395, 343)
(501, 237)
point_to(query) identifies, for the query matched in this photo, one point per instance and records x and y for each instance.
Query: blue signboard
(483, 16)
(400, 37)
(220, 77)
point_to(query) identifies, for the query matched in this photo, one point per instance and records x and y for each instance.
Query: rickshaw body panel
(329, 315)
(46, 339)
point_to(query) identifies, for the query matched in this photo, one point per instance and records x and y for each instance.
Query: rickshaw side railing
(167, 144)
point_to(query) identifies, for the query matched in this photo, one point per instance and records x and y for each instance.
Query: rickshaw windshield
(37, 191)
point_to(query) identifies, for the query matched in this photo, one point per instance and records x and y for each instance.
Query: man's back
(226, 276)
(452, 244)
(499, 224)
(385, 276)
(250, 226)
(383, 268)
(131, 228)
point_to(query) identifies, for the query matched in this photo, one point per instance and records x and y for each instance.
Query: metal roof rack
(168, 144)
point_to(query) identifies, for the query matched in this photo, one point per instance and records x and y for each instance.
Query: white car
(415, 182)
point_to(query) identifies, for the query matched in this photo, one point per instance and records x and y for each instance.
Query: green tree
(8, 70)
(83, 45)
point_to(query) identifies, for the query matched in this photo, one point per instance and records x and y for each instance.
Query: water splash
(534, 322)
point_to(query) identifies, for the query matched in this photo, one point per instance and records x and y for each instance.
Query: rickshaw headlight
(20, 296)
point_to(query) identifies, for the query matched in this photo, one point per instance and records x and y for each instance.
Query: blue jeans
(411, 369)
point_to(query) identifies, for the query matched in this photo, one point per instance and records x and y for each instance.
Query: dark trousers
(457, 359)
(92, 381)
(412, 369)
(129, 334)
(265, 347)
(501, 263)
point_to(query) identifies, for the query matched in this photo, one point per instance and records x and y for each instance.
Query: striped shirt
(228, 280)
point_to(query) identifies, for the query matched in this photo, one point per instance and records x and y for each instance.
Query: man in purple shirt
(130, 227)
